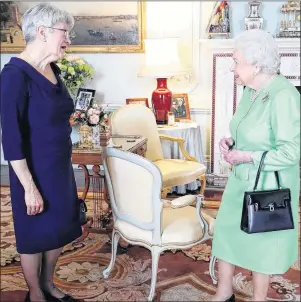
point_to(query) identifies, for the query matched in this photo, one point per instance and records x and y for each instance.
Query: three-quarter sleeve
(14, 102)
(285, 124)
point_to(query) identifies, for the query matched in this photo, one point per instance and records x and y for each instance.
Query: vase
(161, 100)
(254, 20)
(96, 136)
(104, 138)
(85, 136)
(72, 94)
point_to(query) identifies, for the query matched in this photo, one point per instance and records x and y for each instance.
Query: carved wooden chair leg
(202, 178)
(165, 191)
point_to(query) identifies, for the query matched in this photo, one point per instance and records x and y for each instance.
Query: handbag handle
(259, 170)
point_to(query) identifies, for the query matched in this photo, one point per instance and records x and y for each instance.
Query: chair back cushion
(138, 120)
(133, 187)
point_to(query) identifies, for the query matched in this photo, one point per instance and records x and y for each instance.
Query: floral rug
(182, 275)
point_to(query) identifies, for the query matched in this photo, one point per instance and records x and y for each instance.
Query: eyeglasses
(66, 32)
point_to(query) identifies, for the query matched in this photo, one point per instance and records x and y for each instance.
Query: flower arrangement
(95, 115)
(74, 72)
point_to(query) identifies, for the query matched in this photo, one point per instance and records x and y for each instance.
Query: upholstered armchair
(140, 120)
(139, 215)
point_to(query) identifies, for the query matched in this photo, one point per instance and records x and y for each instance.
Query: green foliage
(75, 72)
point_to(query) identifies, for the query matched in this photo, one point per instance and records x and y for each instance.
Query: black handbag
(82, 211)
(266, 211)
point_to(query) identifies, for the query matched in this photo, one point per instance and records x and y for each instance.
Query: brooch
(265, 97)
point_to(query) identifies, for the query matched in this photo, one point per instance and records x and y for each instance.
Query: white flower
(80, 61)
(90, 112)
(94, 119)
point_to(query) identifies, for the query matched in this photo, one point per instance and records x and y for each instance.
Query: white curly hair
(259, 48)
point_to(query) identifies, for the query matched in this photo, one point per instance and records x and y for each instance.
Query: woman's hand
(225, 143)
(236, 157)
(33, 200)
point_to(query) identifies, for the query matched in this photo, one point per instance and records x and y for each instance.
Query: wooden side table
(84, 157)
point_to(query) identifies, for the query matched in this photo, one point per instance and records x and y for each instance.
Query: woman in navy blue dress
(35, 111)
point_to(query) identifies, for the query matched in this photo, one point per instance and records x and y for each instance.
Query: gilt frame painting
(100, 26)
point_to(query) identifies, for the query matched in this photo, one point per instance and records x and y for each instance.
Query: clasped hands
(235, 156)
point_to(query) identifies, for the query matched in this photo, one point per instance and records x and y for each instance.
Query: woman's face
(58, 40)
(243, 71)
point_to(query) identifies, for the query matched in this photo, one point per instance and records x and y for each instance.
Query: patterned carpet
(182, 276)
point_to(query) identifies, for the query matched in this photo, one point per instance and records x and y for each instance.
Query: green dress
(270, 123)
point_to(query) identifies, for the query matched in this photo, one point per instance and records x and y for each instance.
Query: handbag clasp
(272, 208)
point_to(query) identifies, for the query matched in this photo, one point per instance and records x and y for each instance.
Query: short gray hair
(43, 14)
(260, 48)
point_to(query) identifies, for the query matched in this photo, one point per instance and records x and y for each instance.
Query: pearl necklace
(257, 92)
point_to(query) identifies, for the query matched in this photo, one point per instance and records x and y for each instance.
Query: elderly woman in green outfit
(267, 119)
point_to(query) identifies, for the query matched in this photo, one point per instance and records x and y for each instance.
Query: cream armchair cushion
(179, 226)
(177, 171)
(140, 120)
(134, 186)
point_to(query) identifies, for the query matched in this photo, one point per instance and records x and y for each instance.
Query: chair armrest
(183, 201)
(204, 218)
(166, 203)
(180, 141)
(210, 220)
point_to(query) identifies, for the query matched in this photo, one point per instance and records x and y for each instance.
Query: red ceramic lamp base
(162, 101)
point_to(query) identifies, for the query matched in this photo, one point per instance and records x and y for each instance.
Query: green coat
(270, 123)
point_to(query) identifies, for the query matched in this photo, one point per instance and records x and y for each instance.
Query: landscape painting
(99, 26)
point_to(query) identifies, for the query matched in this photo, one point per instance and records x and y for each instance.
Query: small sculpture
(219, 23)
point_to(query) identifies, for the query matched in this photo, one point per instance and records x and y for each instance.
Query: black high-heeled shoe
(231, 299)
(51, 298)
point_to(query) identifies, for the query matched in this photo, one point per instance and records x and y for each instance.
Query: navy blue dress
(35, 126)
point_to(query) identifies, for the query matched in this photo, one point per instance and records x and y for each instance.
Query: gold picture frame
(180, 106)
(94, 28)
(140, 101)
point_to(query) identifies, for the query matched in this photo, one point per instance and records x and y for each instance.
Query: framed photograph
(84, 99)
(141, 101)
(180, 106)
(100, 26)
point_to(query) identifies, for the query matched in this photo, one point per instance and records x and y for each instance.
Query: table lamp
(161, 62)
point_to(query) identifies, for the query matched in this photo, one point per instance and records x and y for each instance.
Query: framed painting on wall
(100, 26)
